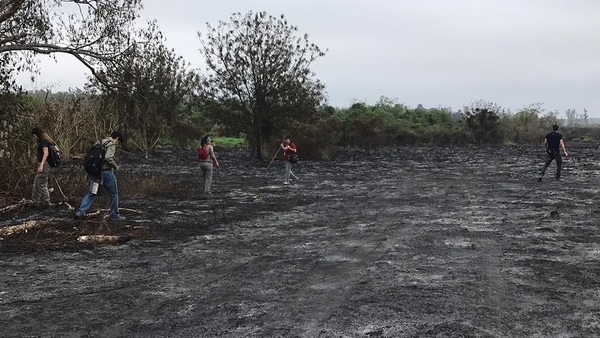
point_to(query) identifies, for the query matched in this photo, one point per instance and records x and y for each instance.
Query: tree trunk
(258, 136)
(259, 143)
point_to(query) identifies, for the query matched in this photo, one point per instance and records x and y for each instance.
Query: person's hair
(288, 138)
(118, 134)
(42, 135)
(204, 140)
(555, 127)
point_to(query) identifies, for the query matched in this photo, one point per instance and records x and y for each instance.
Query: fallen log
(21, 228)
(25, 202)
(20, 204)
(103, 239)
(106, 211)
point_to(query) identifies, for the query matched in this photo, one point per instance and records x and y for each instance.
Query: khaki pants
(40, 194)
(207, 171)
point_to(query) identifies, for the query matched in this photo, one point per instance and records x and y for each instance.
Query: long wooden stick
(59, 188)
(15, 206)
(274, 157)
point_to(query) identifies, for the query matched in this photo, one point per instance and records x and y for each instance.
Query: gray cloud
(444, 53)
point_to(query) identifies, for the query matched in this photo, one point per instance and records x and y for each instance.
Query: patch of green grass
(229, 142)
(588, 138)
(226, 142)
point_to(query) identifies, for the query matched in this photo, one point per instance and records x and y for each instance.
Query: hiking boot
(116, 219)
(78, 217)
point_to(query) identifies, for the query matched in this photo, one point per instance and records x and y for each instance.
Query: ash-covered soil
(407, 242)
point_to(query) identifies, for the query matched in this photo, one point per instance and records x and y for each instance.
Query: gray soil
(407, 242)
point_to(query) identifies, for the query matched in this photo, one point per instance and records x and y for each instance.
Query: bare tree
(572, 116)
(259, 78)
(92, 31)
(153, 84)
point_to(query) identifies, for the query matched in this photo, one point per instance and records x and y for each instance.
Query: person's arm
(44, 158)
(562, 145)
(211, 154)
(110, 156)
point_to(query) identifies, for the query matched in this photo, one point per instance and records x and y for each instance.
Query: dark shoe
(116, 219)
(78, 217)
(539, 179)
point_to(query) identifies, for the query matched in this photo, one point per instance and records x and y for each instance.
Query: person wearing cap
(553, 141)
(208, 160)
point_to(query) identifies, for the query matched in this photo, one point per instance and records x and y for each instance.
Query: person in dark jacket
(554, 142)
(40, 196)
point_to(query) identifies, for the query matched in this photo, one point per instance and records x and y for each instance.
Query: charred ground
(407, 242)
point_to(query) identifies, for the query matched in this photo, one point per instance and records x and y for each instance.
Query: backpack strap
(103, 144)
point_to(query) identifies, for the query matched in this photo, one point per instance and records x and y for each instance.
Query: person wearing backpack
(290, 156)
(105, 178)
(40, 196)
(206, 155)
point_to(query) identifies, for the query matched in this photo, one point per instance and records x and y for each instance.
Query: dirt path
(414, 242)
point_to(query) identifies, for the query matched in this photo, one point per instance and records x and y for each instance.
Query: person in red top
(206, 155)
(289, 154)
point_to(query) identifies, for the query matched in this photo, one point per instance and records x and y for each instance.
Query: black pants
(553, 155)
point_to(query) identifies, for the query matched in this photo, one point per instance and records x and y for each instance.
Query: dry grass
(150, 185)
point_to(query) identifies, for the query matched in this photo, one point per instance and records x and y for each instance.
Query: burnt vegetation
(404, 222)
(258, 86)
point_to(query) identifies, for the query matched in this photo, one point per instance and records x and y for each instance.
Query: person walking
(553, 141)
(40, 196)
(289, 154)
(208, 160)
(106, 179)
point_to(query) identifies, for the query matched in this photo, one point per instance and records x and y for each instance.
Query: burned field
(407, 242)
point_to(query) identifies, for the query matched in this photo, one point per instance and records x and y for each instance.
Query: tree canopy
(153, 83)
(258, 75)
(93, 31)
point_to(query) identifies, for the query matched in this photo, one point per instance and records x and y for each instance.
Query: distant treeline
(76, 119)
(388, 123)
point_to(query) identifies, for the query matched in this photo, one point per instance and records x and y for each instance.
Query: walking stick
(274, 157)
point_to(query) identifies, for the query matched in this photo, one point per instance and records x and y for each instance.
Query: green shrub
(229, 142)
(316, 141)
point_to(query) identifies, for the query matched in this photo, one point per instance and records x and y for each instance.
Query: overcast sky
(438, 53)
